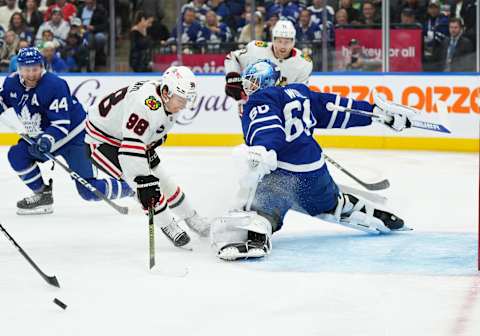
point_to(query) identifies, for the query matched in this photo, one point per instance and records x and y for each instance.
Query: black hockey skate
(38, 204)
(391, 221)
(176, 234)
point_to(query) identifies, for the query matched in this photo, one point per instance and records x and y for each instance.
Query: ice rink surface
(319, 280)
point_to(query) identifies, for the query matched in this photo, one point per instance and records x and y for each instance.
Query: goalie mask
(260, 75)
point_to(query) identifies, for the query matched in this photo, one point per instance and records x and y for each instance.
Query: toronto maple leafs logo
(31, 123)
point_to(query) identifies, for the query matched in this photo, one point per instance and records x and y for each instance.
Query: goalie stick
(380, 185)
(422, 124)
(51, 280)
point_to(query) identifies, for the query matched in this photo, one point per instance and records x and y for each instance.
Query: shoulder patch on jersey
(306, 57)
(261, 44)
(152, 103)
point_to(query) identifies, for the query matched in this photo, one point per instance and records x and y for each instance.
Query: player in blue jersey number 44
(285, 166)
(56, 121)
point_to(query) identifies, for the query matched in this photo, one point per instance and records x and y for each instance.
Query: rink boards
(453, 101)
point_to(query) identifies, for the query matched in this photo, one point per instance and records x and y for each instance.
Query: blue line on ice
(422, 253)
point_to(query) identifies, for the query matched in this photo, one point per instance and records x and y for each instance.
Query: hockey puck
(60, 303)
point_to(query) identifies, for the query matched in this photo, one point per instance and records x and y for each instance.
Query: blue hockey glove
(42, 145)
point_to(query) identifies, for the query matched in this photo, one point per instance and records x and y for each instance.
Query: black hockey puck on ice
(60, 303)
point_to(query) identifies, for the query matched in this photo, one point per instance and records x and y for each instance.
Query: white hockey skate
(176, 234)
(199, 225)
(40, 203)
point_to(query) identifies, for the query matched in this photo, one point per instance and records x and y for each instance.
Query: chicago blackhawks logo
(152, 103)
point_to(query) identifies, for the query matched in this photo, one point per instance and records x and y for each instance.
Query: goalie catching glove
(396, 116)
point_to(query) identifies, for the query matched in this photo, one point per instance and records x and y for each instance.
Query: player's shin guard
(111, 188)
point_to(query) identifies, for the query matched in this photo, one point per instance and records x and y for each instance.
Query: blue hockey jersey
(284, 118)
(47, 108)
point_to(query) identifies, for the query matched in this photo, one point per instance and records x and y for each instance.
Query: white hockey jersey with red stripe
(133, 119)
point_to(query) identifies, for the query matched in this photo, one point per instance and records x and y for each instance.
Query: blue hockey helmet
(260, 75)
(29, 56)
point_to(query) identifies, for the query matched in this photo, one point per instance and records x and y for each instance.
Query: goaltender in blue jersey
(56, 121)
(285, 166)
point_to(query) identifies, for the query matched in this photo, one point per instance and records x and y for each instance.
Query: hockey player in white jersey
(124, 129)
(294, 66)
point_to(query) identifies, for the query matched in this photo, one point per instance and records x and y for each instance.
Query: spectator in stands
(57, 26)
(435, 30)
(68, 10)
(246, 31)
(75, 53)
(215, 32)
(140, 44)
(13, 60)
(267, 30)
(158, 31)
(19, 25)
(456, 53)
(307, 30)
(199, 7)
(285, 9)
(466, 9)
(408, 17)
(417, 8)
(94, 20)
(446, 10)
(222, 11)
(370, 15)
(317, 12)
(190, 32)
(353, 14)
(341, 17)
(8, 49)
(76, 27)
(52, 62)
(47, 36)
(7, 11)
(32, 15)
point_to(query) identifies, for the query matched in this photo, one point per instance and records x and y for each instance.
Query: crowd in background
(73, 34)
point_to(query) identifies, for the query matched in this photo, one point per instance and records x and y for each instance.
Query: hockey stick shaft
(81, 180)
(384, 184)
(151, 236)
(51, 280)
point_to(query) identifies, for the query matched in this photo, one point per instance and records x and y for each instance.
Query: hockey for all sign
(405, 49)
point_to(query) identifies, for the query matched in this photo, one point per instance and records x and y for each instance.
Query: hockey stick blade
(51, 280)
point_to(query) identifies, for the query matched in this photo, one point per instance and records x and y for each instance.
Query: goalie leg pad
(241, 235)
